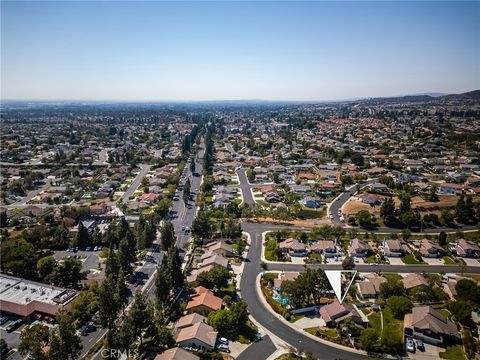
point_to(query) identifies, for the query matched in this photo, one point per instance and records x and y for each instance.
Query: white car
(223, 347)
(410, 345)
(223, 340)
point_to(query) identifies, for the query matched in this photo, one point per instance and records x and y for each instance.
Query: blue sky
(181, 51)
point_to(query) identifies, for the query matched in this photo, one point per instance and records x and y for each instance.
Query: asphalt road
(144, 169)
(264, 317)
(259, 350)
(183, 216)
(230, 149)
(245, 187)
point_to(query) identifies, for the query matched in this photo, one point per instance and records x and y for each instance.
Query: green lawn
(233, 182)
(410, 259)
(453, 353)
(246, 333)
(270, 246)
(330, 334)
(372, 259)
(453, 261)
(392, 277)
(388, 321)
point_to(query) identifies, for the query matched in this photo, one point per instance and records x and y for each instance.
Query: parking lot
(90, 259)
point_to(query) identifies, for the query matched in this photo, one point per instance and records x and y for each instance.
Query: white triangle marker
(335, 279)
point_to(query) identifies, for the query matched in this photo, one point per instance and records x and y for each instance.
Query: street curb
(313, 337)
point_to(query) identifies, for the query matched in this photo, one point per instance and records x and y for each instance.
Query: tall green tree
(32, 341)
(167, 235)
(69, 341)
(201, 226)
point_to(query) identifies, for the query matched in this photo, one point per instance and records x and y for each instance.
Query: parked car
(3, 320)
(223, 340)
(410, 345)
(420, 345)
(223, 347)
(14, 325)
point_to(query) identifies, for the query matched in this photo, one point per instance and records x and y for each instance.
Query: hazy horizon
(236, 51)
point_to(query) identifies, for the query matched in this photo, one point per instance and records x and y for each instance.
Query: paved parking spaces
(471, 262)
(89, 259)
(433, 261)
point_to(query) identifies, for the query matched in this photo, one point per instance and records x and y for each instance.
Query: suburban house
(427, 324)
(466, 248)
(429, 249)
(189, 320)
(211, 258)
(176, 354)
(284, 276)
(359, 248)
(198, 336)
(378, 187)
(335, 313)
(293, 247)
(311, 202)
(415, 281)
(370, 287)
(394, 248)
(371, 199)
(220, 248)
(325, 247)
(203, 301)
(450, 189)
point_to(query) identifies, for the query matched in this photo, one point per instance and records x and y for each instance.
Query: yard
(388, 321)
(453, 353)
(411, 260)
(327, 334)
(453, 261)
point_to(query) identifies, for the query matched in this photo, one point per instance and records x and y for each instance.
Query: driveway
(471, 262)
(309, 322)
(431, 352)
(395, 261)
(433, 261)
(297, 260)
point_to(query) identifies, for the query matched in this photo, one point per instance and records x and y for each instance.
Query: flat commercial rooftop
(22, 292)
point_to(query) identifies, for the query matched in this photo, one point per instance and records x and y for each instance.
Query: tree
(399, 305)
(163, 284)
(139, 316)
(192, 165)
(405, 204)
(392, 287)
(387, 210)
(357, 159)
(33, 339)
(186, 191)
(201, 226)
(108, 305)
(462, 310)
(433, 197)
(85, 304)
(167, 235)
(68, 273)
(348, 263)
(174, 263)
(125, 257)
(369, 338)
(442, 238)
(468, 290)
(122, 291)
(229, 321)
(82, 239)
(45, 267)
(216, 278)
(18, 258)
(69, 342)
(365, 219)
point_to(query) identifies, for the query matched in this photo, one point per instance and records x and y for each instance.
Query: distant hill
(471, 95)
(437, 97)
